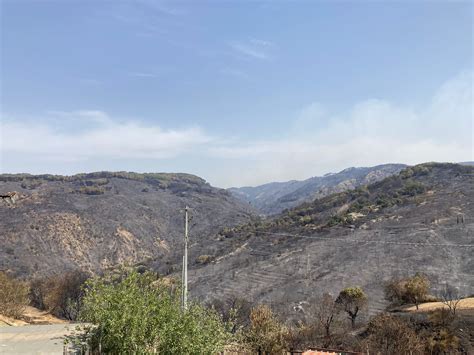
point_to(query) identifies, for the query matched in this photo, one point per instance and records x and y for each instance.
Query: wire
(347, 240)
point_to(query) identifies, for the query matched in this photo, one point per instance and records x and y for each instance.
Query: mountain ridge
(419, 220)
(274, 197)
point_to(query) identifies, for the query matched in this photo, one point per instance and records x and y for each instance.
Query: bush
(13, 296)
(59, 295)
(413, 188)
(390, 335)
(234, 311)
(410, 290)
(204, 259)
(138, 315)
(443, 341)
(91, 190)
(96, 182)
(265, 334)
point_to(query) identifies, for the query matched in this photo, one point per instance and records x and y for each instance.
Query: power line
(347, 240)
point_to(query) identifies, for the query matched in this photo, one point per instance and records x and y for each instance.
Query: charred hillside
(274, 197)
(420, 220)
(51, 223)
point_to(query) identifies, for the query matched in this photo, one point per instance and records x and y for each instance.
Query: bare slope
(274, 197)
(92, 221)
(420, 220)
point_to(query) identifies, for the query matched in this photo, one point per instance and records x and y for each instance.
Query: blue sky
(240, 93)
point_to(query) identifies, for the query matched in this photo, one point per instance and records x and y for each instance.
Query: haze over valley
(236, 177)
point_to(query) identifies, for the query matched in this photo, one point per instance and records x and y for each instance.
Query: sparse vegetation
(102, 178)
(235, 313)
(60, 295)
(327, 316)
(13, 296)
(451, 298)
(410, 290)
(204, 259)
(352, 300)
(266, 334)
(91, 190)
(390, 335)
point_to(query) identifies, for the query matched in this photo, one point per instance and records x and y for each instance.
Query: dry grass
(31, 315)
(464, 304)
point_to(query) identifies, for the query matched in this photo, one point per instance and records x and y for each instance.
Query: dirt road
(35, 339)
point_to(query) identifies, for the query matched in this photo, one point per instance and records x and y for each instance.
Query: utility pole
(185, 262)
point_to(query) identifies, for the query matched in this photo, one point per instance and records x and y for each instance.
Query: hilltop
(274, 197)
(52, 223)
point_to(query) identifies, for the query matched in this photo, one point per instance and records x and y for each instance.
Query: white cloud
(106, 138)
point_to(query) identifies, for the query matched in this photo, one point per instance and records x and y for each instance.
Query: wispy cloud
(150, 18)
(107, 138)
(261, 42)
(150, 73)
(253, 48)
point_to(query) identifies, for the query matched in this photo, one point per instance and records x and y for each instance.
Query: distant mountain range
(274, 197)
(420, 220)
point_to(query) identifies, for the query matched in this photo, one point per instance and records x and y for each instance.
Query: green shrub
(335, 221)
(91, 190)
(138, 315)
(413, 188)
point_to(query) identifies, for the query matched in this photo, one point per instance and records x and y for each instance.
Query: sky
(237, 92)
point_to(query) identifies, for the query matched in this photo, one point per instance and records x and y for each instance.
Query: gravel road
(35, 339)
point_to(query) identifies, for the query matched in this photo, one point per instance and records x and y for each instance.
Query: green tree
(137, 314)
(352, 300)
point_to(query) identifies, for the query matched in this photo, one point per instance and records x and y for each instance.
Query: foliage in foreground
(139, 315)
